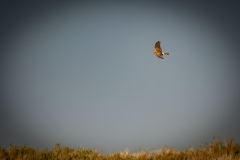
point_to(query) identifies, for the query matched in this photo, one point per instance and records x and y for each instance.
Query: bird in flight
(158, 51)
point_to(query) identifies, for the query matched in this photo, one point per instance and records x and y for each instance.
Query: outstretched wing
(158, 49)
(157, 46)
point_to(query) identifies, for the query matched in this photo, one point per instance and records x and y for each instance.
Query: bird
(158, 51)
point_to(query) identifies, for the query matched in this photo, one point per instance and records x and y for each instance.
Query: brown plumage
(158, 51)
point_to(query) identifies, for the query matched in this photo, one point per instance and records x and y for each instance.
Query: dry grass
(215, 151)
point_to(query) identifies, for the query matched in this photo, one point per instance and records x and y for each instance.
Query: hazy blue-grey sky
(83, 74)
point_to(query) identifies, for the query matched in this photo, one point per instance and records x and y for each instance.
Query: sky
(83, 74)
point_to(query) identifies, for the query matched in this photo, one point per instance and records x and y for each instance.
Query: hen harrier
(158, 51)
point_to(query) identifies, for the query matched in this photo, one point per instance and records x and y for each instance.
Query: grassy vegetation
(217, 150)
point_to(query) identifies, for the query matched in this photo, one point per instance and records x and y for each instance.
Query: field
(216, 150)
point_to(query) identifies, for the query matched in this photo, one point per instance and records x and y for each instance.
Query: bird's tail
(165, 53)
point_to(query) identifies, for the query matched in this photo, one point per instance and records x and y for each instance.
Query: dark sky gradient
(84, 73)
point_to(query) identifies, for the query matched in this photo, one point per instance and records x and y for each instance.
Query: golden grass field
(216, 150)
